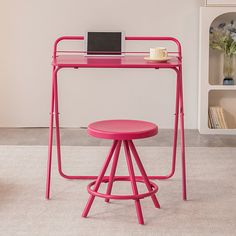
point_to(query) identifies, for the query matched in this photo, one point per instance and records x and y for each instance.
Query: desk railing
(177, 53)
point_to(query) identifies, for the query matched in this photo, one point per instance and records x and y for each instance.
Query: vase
(228, 69)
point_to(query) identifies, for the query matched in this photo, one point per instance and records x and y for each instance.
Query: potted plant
(223, 38)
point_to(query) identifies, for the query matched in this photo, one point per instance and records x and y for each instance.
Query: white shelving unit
(211, 90)
(220, 2)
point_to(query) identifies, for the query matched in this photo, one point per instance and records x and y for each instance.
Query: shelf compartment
(216, 59)
(226, 100)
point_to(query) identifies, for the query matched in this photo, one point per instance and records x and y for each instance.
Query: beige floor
(210, 209)
(75, 137)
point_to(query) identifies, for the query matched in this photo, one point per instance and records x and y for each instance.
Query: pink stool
(122, 131)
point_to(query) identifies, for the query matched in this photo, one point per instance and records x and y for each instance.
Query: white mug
(158, 53)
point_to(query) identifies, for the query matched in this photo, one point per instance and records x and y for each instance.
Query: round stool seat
(122, 129)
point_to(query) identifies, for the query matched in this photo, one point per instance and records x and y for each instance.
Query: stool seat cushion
(122, 129)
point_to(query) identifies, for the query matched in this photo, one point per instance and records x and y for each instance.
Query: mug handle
(165, 53)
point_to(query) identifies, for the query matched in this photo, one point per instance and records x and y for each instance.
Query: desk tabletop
(127, 61)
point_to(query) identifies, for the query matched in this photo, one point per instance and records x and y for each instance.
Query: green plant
(223, 38)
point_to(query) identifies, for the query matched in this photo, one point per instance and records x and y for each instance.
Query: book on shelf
(216, 118)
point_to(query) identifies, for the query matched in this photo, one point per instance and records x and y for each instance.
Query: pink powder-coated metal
(123, 130)
(72, 59)
(99, 179)
(154, 189)
(128, 61)
(142, 170)
(113, 170)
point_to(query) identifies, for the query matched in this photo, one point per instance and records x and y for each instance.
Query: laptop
(104, 43)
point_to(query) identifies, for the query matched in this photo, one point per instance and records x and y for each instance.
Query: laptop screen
(104, 43)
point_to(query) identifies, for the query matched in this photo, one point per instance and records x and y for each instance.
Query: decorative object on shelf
(228, 69)
(223, 38)
(216, 118)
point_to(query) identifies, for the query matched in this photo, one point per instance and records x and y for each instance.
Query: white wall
(28, 30)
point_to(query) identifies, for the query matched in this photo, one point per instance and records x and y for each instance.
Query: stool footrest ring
(123, 197)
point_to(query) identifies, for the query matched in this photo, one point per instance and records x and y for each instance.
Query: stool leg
(143, 172)
(99, 179)
(133, 182)
(113, 170)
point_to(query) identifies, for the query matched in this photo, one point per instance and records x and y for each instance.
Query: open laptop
(104, 43)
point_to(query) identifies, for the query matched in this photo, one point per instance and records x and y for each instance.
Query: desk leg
(58, 141)
(175, 138)
(55, 113)
(49, 164)
(179, 110)
(177, 99)
(182, 135)
(177, 96)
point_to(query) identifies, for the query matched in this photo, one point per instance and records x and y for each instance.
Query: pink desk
(76, 59)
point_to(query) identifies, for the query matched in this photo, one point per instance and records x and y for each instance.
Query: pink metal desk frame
(74, 59)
